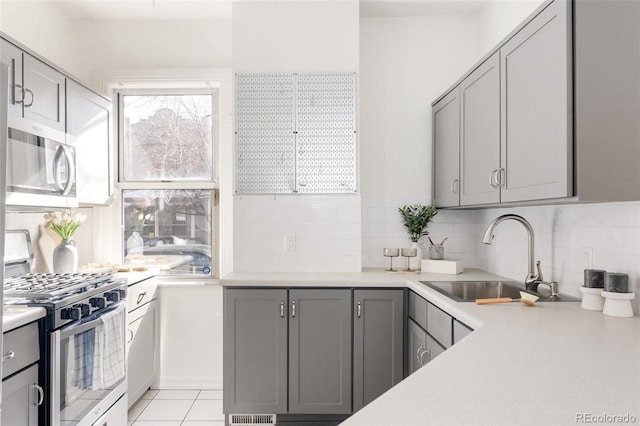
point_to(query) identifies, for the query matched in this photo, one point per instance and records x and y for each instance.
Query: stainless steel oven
(41, 168)
(88, 367)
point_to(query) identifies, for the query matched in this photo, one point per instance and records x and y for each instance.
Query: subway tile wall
(327, 231)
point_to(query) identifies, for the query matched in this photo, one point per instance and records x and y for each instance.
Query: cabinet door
(45, 99)
(255, 351)
(536, 148)
(20, 397)
(416, 344)
(480, 134)
(433, 348)
(12, 57)
(88, 131)
(142, 347)
(378, 343)
(446, 150)
(439, 325)
(320, 351)
(460, 331)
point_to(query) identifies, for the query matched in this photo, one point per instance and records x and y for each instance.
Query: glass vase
(135, 243)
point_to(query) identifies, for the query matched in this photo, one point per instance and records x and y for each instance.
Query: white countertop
(541, 365)
(14, 316)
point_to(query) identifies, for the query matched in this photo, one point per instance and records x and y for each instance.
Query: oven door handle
(79, 328)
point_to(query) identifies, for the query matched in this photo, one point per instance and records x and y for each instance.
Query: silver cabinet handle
(455, 186)
(281, 309)
(8, 356)
(40, 395)
(428, 352)
(32, 98)
(500, 177)
(15, 101)
(130, 336)
(141, 297)
(493, 179)
(359, 309)
(293, 309)
(419, 353)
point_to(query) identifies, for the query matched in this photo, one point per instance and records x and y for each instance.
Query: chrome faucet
(534, 275)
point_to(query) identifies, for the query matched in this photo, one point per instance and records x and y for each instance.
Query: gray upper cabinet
(446, 150)
(12, 57)
(568, 103)
(88, 124)
(38, 90)
(378, 342)
(255, 351)
(44, 101)
(536, 148)
(480, 134)
(320, 351)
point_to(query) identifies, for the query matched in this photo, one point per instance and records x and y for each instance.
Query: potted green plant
(416, 218)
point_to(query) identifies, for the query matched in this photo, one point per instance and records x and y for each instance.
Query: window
(167, 147)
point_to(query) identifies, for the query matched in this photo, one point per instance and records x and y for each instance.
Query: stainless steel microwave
(41, 168)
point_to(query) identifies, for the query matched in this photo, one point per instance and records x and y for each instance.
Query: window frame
(169, 88)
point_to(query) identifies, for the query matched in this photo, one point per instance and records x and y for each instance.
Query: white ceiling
(221, 9)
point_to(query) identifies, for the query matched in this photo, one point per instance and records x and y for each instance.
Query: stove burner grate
(47, 286)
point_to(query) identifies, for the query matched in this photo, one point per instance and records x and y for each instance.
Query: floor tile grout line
(188, 411)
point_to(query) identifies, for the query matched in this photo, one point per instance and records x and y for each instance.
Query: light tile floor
(178, 408)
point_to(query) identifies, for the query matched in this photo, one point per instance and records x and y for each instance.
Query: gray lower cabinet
(320, 351)
(255, 351)
(536, 148)
(460, 331)
(21, 396)
(416, 346)
(446, 150)
(378, 343)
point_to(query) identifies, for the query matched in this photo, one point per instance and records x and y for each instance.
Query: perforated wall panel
(265, 139)
(326, 138)
(296, 133)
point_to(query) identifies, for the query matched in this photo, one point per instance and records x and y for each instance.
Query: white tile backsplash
(327, 231)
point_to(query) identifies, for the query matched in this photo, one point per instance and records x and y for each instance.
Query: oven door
(88, 367)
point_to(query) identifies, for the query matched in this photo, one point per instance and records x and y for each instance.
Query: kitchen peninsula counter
(551, 364)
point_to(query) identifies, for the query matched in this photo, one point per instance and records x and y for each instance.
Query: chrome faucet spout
(533, 275)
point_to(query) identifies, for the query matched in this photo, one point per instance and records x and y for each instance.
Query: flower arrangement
(416, 218)
(139, 221)
(64, 224)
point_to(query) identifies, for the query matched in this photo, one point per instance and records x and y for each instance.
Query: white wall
(45, 29)
(292, 36)
(131, 44)
(405, 64)
(499, 17)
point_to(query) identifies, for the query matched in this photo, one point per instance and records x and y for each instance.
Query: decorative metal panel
(326, 133)
(265, 144)
(295, 133)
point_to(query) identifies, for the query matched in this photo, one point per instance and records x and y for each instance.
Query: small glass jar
(436, 252)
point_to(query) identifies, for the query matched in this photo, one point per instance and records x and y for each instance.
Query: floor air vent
(252, 419)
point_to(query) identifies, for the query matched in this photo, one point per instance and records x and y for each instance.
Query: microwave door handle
(60, 152)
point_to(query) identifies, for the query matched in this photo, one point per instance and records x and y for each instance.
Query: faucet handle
(539, 274)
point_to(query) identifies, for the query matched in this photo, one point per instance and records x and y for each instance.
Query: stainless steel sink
(469, 291)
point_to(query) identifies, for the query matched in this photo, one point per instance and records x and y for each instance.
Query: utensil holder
(436, 252)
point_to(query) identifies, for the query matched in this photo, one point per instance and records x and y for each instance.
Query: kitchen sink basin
(469, 291)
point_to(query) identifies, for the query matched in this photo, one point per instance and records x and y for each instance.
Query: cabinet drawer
(418, 309)
(439, 325)
(141, 293)
(21, 348)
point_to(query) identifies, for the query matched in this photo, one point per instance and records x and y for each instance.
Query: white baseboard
(209, 383)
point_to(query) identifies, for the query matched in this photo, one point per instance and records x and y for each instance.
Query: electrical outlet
(587, 257)
(289, 242)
